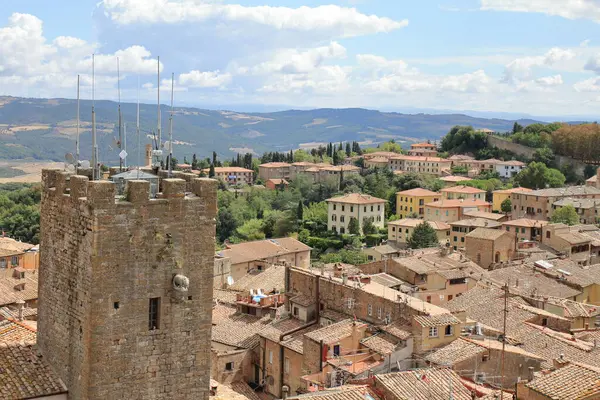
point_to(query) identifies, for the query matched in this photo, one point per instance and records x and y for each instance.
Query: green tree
(506, 206)
(353, 226)
(300, 211)
(226, 224)
(538, 176)
(463, 139)
(544, 155)
(413, 214)
(211, 171)
(368, 227)
(566, 215)
(251, 230)
(517, 128)
(423, 236)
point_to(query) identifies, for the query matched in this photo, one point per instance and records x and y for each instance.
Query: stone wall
(102, 259)
(528, 152)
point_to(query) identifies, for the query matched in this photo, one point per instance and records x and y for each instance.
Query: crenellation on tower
(125, 286)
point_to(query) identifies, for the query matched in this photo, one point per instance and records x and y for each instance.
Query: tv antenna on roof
(95, 162)
(170, 149)
(119, 143)
(77, 130)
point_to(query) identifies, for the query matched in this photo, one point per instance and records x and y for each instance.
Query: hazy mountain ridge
(45, 129)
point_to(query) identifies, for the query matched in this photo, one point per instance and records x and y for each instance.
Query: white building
(508, 169)
(354, 205)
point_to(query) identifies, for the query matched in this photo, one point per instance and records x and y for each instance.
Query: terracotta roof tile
(356, 198)
(11, 247)
(267, 280)
(427, 321)
(402, 332)
(418, 192)
(487, 234)
(262, 249)
(8, 284)
(333, 332)
(513, 190)
(424, 384)
(462, 189)
(458, 203)
(571, 382)
(453, 178)
(379, 344)
(525, 223)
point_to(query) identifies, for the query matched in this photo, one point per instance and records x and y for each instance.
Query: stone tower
(125, 287)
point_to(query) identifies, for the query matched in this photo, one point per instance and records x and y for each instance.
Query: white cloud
(571, 9)
(593, 64)
(520, 69)
(293, 61)
(204, 79)
(588, 85)
(585, 43)
(476, 82)
(340, 21)
(549, 81)
(134, 59)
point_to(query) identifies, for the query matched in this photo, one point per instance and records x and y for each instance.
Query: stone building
(537, 204)
(460, 229)
(488, 246)
(15, 254)
(274, 170)
(354, 205)
(126, 287)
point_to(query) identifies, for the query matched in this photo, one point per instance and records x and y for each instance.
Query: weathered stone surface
(101, 261)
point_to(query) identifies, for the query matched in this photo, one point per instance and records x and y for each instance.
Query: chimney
(560, 361)
(284, 392)
(530, 375)
(344, 278)
(20, 306)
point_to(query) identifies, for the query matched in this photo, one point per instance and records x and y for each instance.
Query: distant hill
(45, 128)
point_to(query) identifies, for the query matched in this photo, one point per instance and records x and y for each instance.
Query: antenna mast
(95, 163)
(171, 128)
(137, 128)
(77, 135)
(120, 143)
(158, 103)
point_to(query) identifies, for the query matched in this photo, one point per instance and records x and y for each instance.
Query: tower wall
(101, 261)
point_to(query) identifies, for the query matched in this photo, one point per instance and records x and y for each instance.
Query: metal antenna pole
(503, 341)
(171, 128)
(95, 162)
(158, 102)
(77, 135)
(137, 128)
(125, 144)
(120, 144)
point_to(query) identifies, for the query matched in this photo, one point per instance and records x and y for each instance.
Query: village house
(453, 180)
(261, 254)
(460, 229)
(508, 169)
(453, 210)
(478, 359)
(376, 162)
(299, 167)
(568, 241)
(427, 146)
(488, 247)
(566, 380)
(19, 286)
(276, 184)
(15, 254)
(274, 170)
(423, 165)
(525, 229)
(435, 331)
(463, 192)
(499, 196)
(233, 175)
(537, 204)
(401, 230)
(413, 201)
(476, 167)
(422, 150)
(384, 251)
(354, 205)
(491, 216)
(432, 275)
(586, 209)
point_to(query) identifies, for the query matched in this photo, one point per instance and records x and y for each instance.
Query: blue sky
(540, 57)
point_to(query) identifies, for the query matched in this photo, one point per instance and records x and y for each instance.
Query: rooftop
(436, 320)
(397, 330)
(525, 223)
(570, 382)
(380, 344)
(513, 190)
(565, 191)
(529, 281)
(434, 262)
(424, 384)
(12, 290)
(13, 331)
(267, 280)
(487, 234)
(420, 158)
(454, 178)
(334, 332)
(12, 247)
(275, 165)
(25, 374)
(277, 181)
(387, 280)
(356, 198)
(262, 249)
(225, 170)
(413, 222)
(418, 192)
(422, 145)
(458, 203)
(462, 189)
(577, 203)
(476, 222)
(484, 215)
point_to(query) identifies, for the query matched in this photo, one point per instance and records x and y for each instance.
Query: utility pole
(503, 340)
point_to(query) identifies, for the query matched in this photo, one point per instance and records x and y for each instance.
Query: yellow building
(399, 231)
(500, 195)
(413, 201)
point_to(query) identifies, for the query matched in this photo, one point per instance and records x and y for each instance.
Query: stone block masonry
(111, 321)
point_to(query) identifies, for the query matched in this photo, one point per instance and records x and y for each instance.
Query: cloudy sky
(533, 56)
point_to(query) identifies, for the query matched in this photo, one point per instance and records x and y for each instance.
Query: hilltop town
(441, 270)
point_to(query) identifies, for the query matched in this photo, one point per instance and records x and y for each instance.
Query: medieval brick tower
(125, 287)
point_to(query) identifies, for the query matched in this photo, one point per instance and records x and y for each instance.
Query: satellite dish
(84, 164)
(168, 146)
(230, 280)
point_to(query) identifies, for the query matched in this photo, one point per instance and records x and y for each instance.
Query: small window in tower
(229, 366)
(116, 305)
(154, 314)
